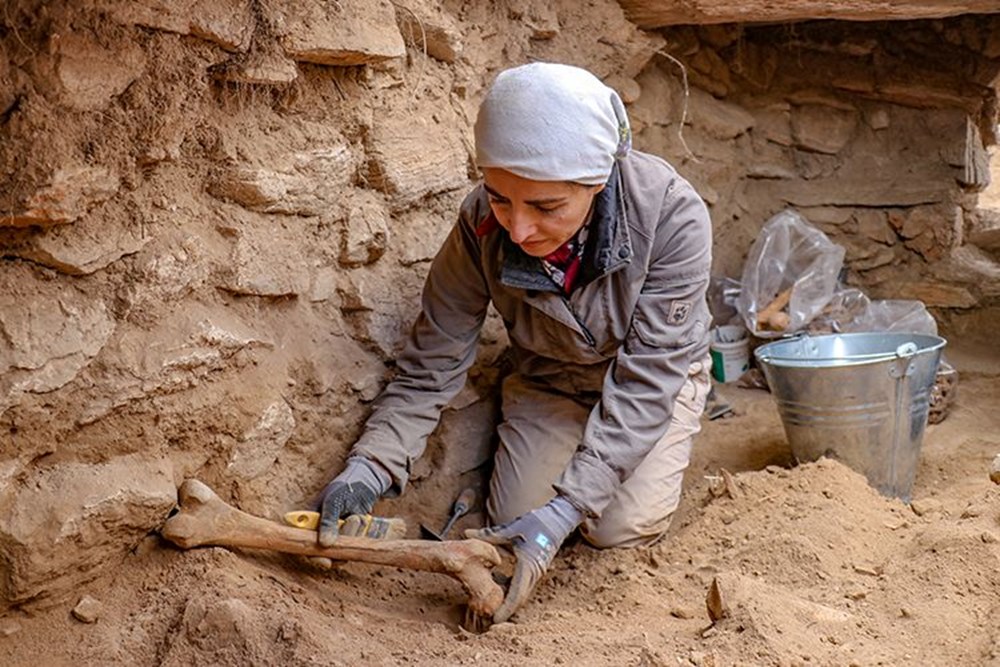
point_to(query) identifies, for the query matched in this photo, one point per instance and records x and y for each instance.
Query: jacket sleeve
(668, 332)
(436, 358)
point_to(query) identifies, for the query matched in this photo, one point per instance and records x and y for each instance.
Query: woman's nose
(521, 227)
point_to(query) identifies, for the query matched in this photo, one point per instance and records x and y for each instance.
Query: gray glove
(535, 538)
(353, 491)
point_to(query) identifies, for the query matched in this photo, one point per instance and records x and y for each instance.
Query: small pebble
(501, 628)
(925, 506)
(995, 470)
(88, 610)
(9, 627)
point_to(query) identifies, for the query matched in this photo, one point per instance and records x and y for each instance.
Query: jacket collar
(608, 246)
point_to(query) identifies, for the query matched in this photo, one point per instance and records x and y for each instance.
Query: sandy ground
(813, 567)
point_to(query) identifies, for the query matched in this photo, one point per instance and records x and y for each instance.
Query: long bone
(205, 519)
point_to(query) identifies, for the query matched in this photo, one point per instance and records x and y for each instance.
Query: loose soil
(814, 567)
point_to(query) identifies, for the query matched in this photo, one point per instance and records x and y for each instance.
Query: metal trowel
(466, 499)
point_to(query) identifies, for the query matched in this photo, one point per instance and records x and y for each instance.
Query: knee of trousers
(624, 534)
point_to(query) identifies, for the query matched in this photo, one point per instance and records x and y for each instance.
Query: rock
(51, 332)
(91, 244)
(417, 235)
(347, 32)
(932, 231)
(73, 521)
(88, 610)
(305, 182)
(627, 88)
(878, 119)
(821, 128)
(8, 627)
(774, 123)
(984, 229)
(708, 71)
(183, 347)
(270, 68)
(873, 225)
(88, 75)
(719, 120)
(925, 506)
(971, 266)
(412, 156)
(228, 23)
(366, 230)
(267, 260)
(379, 312)
(69, 194)
(426, 27)
(840, 190)
(995, 470)
(660, 13)
(936, 294)
(260, 446)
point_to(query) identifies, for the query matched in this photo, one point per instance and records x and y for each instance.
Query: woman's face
(539, 215)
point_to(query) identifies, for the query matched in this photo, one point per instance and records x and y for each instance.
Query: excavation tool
(360, 525)
(466, 499)
(204, 519)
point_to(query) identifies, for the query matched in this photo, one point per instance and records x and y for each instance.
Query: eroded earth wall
(215, 218)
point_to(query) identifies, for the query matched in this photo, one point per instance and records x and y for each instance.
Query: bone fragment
(205, 519)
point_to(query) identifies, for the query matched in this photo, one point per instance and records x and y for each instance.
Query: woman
(597, 257)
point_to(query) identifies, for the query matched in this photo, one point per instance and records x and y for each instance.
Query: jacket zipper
(586, 332)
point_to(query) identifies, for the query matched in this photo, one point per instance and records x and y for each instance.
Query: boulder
(347, 32)
(75, 521)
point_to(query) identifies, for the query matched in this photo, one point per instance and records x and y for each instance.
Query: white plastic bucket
(730, 350)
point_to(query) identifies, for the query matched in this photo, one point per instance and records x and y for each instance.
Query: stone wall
(878, 133)
(215, 218)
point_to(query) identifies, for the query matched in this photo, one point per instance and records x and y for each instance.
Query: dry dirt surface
(810, 567)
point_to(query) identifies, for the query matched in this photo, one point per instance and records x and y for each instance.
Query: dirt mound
(801, 565)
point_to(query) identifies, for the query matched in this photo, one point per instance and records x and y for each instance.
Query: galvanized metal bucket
(860, 398)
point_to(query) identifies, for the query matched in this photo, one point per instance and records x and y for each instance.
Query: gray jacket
(623, 339)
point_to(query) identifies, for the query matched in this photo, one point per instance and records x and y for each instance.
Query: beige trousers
(542, 430)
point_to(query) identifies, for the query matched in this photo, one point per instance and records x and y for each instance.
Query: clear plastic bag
(789, 275)
(723, 293)
(897, 315)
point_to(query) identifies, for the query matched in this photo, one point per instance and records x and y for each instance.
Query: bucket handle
(904, 367)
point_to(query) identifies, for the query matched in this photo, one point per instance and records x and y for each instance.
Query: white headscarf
(550, 122)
